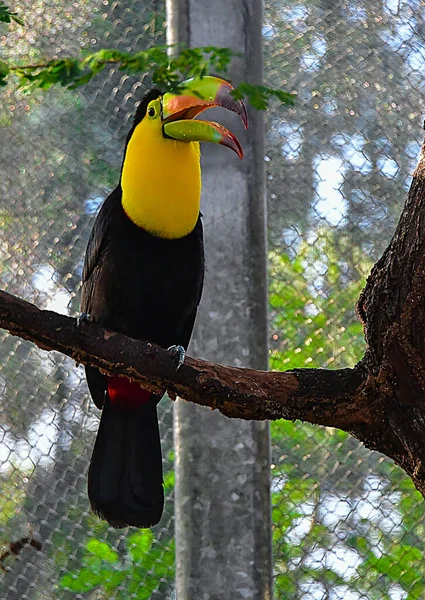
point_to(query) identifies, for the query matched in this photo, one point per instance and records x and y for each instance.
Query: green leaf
(113, 579)
(102, 550)
(83, 581)
(139, 544)
(259, 95)
(359, 543)
(286, 586)
(4, 72)
(6, 15)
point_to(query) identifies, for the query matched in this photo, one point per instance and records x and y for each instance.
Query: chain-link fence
(347, 523)
(56, 170)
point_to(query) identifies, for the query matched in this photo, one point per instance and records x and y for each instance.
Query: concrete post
(223, 532)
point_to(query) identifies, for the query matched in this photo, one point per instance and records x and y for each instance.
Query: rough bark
(392, 309)
(381, 401)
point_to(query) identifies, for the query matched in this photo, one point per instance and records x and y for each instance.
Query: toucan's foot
(178, 353)
(83, 318)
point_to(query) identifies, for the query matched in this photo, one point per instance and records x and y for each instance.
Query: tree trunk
(392, 309)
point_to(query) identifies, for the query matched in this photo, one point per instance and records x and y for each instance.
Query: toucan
(143, 276)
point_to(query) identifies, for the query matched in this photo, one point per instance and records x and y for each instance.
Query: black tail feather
(125, 476)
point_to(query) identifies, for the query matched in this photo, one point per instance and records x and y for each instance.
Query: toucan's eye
(151, 111)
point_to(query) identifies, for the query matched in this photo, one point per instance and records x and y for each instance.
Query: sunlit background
(347, 524)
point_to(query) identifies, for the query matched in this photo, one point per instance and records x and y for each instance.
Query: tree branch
(314, 395)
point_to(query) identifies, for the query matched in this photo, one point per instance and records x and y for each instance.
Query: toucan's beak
(191, 98)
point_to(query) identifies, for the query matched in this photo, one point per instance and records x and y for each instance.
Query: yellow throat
(161, 182)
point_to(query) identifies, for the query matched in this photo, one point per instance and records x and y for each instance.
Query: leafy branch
(166, 71)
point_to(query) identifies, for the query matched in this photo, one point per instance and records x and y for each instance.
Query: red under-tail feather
(127, 393)
(125, 475)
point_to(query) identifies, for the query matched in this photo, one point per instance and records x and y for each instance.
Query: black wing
(97, 245)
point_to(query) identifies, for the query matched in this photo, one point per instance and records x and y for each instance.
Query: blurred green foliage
(312, 300)
(134, 575)
(145, 565)
(343, 520)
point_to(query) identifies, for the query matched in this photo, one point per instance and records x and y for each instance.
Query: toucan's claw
(178, 353)
(83, 318)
